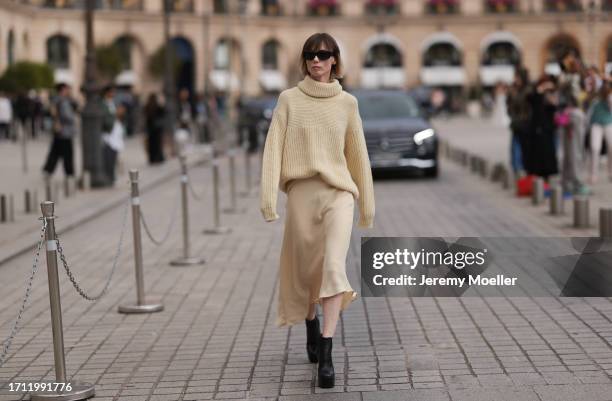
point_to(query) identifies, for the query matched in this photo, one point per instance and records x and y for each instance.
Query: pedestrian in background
(572, 123)
(315, 152)
(154, 125)
(64, 129)
(519, 113)
(601, 129)
(6, 116)
(114, 143)
(110, 109)
(543, 102)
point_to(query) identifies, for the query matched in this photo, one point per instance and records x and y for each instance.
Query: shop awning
(63, 76)
(492, 74)
(443, 76)
(272, 80)
(224, 80)
(383, 77)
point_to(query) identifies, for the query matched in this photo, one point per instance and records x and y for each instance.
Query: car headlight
(421, 136)
(267, 113)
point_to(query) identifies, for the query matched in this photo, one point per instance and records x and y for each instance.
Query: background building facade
(254, 45)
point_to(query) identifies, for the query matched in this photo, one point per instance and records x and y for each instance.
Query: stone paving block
(574, 392)
(328, 396)
(498, 394)
(408, 395)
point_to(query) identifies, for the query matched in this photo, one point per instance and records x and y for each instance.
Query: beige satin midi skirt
(318, 225)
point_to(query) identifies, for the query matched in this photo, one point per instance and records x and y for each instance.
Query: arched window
(559, 45)
(270, 7)
(501, 53)
(58, 51)
(222, 55)
(383, 55)
(125, 45)
(442, 54)
(269, 59)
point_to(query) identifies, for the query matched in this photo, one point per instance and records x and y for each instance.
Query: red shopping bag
(523, 185)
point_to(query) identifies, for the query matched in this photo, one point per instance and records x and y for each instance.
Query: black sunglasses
(321, 54)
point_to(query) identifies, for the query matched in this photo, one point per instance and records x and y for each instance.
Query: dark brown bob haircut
(314, 43)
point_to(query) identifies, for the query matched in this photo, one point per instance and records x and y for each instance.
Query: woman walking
(315, 152)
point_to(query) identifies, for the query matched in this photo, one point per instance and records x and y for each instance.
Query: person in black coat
(542, 153)
(154, 126)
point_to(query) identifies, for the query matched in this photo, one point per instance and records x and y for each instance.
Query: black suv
(398, 134)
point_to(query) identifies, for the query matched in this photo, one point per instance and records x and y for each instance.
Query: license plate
(386, 156)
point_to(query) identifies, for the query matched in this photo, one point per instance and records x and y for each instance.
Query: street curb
(115, 200)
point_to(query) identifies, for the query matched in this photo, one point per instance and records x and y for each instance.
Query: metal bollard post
(48, 191)
(581, 212)
(217, 229)
(11, 208)
(247, 174)
(3, 209)
(186, 260)
(556, 200)
(232, 173)
(484, 167)
(78, 391)
(141, 306)
(537, 191)
(605, 222)
(27, 202)
(86, 181)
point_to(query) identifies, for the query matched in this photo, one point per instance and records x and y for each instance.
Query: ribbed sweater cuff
(269, 214)
(366, 221)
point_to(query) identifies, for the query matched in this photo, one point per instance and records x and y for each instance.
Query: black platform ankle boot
(313, 334)
(326, 367)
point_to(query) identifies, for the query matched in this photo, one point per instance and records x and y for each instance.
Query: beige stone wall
(33, 26)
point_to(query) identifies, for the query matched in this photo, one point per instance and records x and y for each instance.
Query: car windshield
(382, 106)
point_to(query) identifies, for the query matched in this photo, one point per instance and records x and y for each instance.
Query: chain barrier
(6, 344)
(170, 225)
(73, 280)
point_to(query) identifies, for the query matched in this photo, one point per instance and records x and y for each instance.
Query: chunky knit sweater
(316, 129)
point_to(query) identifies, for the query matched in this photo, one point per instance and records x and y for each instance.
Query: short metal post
(581, 212)
(24, 145)
(27, 202)
(34, 199)
(537, 191)
(66, 187)
(247, 173)
(556, 200)
(483, 167)
(78, 391)
(11, 208)
(186, 260)
(86, 181)
(3, 209)
(232, 173)
(217, 229)
(141, 306)
(56, 192)
(605, 222)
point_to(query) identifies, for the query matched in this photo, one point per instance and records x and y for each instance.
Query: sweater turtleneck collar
(314, 88)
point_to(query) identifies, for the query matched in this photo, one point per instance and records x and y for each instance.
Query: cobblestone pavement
(216, 337)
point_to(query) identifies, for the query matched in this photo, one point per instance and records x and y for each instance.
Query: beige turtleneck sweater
(316, 129)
